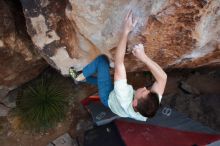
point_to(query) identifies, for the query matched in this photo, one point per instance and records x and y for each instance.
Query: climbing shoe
(74, 74)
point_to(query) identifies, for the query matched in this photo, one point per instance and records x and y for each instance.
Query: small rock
(64, 140)
(197, 73)
(10, 99)
(59, 125)
(3, 93)
(214, 74)
(26, 132)
(188, 89)
(82, 125)
(137, 74)
(9, 133)
(50, 144)
(3, 110)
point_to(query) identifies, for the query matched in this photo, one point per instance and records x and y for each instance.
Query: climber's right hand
(129, 22)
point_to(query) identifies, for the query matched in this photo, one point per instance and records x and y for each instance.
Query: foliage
(42, 104)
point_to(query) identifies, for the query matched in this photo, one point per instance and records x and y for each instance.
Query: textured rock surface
(3, 110)
(64, 140)
(175, 33)
(19, 63)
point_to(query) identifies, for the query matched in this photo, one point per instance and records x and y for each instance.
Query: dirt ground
(199, 99)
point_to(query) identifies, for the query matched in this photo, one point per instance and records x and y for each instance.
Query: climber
(120, 97)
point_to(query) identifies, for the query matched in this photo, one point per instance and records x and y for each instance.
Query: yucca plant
(42, 104)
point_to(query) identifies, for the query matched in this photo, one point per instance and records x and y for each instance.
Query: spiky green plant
(42, 104)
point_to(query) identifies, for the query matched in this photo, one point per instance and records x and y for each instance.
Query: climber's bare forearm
(120, 72)
(120, 51)
(158, 73)
(156, 70)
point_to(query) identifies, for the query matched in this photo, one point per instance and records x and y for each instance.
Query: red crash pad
(135, 134)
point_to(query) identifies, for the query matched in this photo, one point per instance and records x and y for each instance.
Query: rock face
(64, 140)
(19, 62)
(175, 33)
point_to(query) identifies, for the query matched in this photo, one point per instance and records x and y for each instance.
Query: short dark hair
(148, 106)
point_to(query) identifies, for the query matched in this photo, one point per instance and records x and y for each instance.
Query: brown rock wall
(175, 33)
(19, 60)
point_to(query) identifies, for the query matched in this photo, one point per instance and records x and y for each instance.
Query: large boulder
(19, 60)
(175, 33)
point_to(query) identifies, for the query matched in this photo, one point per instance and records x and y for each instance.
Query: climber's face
(140, 93)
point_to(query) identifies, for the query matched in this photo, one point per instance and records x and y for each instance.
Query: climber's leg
(101, 67)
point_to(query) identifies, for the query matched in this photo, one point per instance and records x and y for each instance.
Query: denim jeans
(100, 66)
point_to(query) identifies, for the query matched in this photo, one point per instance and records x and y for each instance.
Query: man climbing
(121, 98)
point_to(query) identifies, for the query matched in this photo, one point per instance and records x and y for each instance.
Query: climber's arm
(159, 75)
(120, 71)
(156, 70)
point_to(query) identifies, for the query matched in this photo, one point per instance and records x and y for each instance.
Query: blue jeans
(100, 65)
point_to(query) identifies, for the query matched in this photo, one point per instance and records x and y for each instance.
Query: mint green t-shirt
(120, 101)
